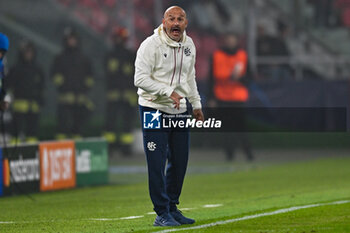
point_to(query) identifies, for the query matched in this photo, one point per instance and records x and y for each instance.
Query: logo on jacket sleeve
(151, 120)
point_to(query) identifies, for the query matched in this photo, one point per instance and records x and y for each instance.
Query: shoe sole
(186, 223)
(160, 225)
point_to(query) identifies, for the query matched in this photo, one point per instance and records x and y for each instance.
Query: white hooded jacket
(162, 66)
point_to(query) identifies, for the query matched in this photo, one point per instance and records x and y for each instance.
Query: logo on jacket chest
(187, 51)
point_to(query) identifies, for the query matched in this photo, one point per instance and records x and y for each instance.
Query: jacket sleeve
(194, 97)
(144, 65)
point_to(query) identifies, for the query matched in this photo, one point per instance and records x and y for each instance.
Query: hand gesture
(176, 99)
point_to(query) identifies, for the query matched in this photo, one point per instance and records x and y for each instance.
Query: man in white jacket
(165, 76)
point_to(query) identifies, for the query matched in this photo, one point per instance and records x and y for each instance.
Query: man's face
(175, 23)
(231, 41)
(29, 55)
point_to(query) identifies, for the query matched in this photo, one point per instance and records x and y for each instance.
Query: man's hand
(4, 105)
(198, 114)
(176, 99)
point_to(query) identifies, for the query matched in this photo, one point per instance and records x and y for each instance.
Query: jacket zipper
(172, 78)
(182, 55)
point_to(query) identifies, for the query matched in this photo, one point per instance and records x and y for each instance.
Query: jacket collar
(166, 39)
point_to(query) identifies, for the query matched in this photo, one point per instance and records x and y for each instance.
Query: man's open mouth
(176, 30)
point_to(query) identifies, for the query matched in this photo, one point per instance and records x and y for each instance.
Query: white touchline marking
(114, 219)
(103, 219)
(127, 218)
(131, 217)
(212, 205)
(184, 209)
(280, 211)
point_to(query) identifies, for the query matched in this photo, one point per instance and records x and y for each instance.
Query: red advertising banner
(57, 165)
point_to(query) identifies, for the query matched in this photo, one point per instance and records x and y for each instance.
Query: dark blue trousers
(165, 146)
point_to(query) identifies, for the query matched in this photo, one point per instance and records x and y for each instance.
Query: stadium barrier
(53, 165)
(21, 170)
(91, 162)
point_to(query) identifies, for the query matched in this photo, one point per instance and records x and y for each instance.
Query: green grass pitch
(259, 189)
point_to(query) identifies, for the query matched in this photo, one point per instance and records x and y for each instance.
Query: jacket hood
(166, 39)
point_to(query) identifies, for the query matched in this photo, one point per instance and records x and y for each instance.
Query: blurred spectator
(206, 44)
(4, 46)
(273, 46)
(216, 12)
(72, 76)
(26, 82)
(121, 96)
(99, 20)
(264, 44)
(344, 7)
(185, 4)
(229, 73)
(322, 12)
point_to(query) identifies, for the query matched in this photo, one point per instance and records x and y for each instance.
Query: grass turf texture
(332, 218)
(256, 190)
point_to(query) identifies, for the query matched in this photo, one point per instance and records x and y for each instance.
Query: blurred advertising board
(57, 165)
(20, 170)
(91, 162)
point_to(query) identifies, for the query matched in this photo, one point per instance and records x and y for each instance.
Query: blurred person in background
(229, 68)
(26, 83)
(274, 47)
(221, 16)
(73, 77)
(4, 46)
(165, 76)
(322, 12)
(343, 8)
(121, 98)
